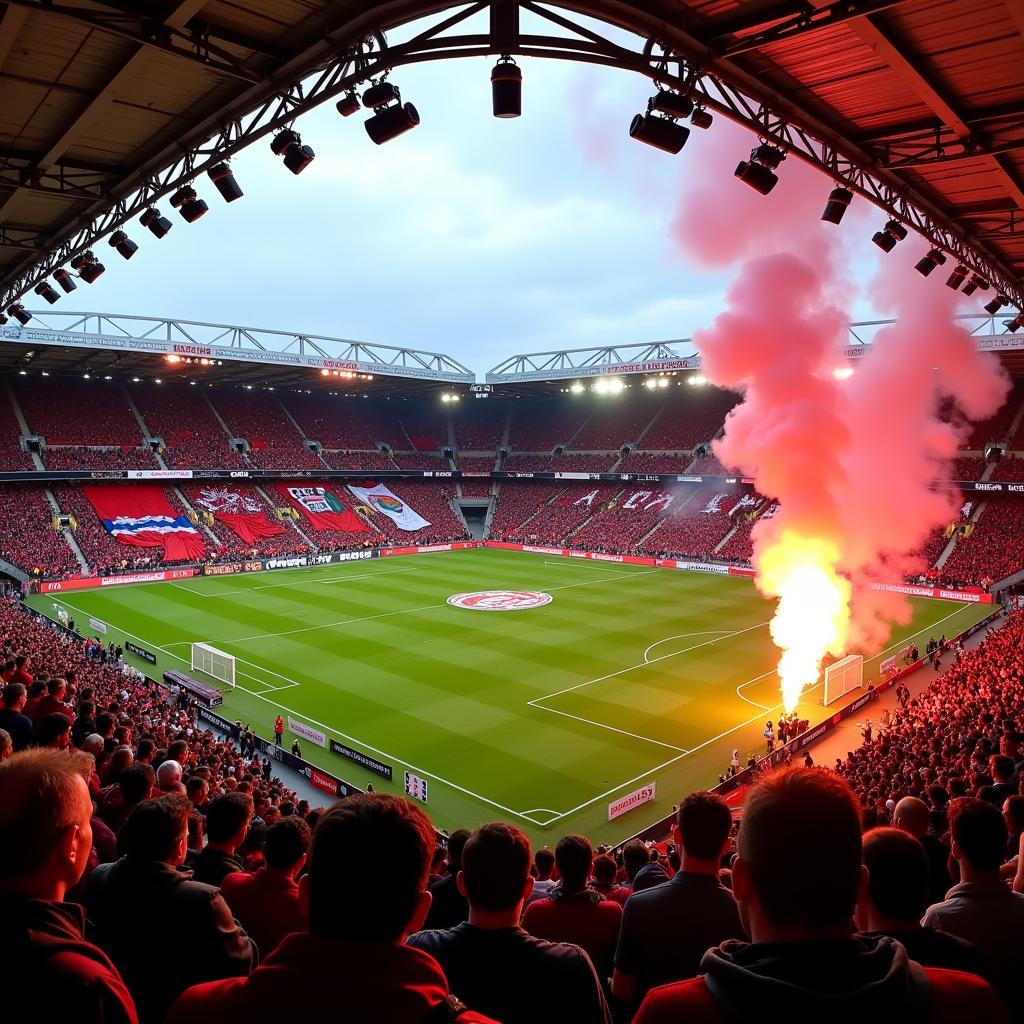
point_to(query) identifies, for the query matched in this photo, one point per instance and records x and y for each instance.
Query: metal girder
(128, 22)
(330, 69)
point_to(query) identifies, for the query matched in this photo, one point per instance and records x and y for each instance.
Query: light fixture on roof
(576, 388)
(892, 233)
(224, 179)
(46, 291)
(759, 171)
(391, 117)
(18, 311)
(65, 280)
(608, 385)
(976, 282)
(187, 202)
(1015, 324)
(838, 203)
(927, 263)
(994, 305)
(957, 277)
(701, 118)
(288, 144)
(507, 88)
(660, 126)
(120, 241)
(151, 218)
(348, 104)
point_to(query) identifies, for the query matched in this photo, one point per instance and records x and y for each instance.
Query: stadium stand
(333, 421)
(479, 426)
(420, 460)
(274, 443)
(98, 458)
(10, 434)
(692, 418)
(993, 551)
(517, 503)
(27, 537)
(653, 462)
(570, 462)
(432, 500)
(694, 528)
(476, 464)
(621, 424)
(1011, 468)
(358, 460)
(77, 412)
(539, 429)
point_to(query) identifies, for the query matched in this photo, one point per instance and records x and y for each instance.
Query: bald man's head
(911, 816)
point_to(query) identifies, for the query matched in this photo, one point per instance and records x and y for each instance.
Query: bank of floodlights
(660, 126)
(391, 117)
(759, 171)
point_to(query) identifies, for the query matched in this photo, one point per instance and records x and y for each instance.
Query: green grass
(634, 674)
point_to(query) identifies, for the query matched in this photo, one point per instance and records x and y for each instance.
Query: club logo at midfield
(500, 600)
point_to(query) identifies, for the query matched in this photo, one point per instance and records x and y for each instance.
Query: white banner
(306, 732)
(380, 499)
(643, 795)
(97, 626)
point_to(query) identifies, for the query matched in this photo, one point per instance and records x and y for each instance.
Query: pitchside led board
(415, 787)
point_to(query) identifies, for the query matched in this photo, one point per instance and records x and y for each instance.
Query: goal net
(214, 663)
(843, 676)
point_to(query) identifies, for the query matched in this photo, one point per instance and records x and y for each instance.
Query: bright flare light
(842, 372)
(813, 614)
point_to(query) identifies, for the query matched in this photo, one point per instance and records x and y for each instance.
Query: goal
(214, 663)
(843, 676)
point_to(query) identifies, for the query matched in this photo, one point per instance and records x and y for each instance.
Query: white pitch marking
(612, 728)
(682, 636)
(278, 586)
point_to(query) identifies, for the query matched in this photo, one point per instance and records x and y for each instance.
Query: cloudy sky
(472, 236)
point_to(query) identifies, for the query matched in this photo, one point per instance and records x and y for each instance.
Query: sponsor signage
(114, 581)
(627, 803)
(140, 652)
(363, 760)
(889, 665)
(98, 627)
(307, 732)
(912, 590)
(191, 350)
(212, 718)
(159, 474)
(295, 562)
(415, 787)
(500, 600)
(222, 569)
(322, 781)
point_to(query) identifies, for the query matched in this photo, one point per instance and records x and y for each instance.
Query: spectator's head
(45, 813)
(798, 872)
(168, 778)
(6, 745)
(94, 744)
(196, 830)
(54, 731)
(911, 816)
(575, 857)
(178, 751)
(146, 751)
(136, 783)
(454, 847)
(703, 822)
(57, 687)
(157, 830)
(1001, 767)
(1013, 814)
(227, 820)
(979, 838)
(544, 862)
(286, 844)
(495, 876)
(197, 789)
(15, 696)
(605, 870)
(342, 901)
(23, 661)
(634, 857)
(897, 891)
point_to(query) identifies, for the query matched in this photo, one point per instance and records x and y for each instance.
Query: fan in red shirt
(267, 903)
(574, 913)
(606, 874)
(797, 877)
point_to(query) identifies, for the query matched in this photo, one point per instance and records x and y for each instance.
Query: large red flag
(243, 513)
(141, 515)
(322, 508)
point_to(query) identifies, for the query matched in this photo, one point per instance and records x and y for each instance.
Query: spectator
(168, 779)
(1013, 815)
(6, 745)
(543, 870)
(118, 800)
(448, 907)
(497, 967)
(227, 823)
(666, 930)
(911, 815)
(53, 701)
(981, 909)
(606, 873)
(144, 889)
(351, 965)
(652, 874)
(12, 717)
(267, 903)
(45, 838)
(1002, 770)
(574, 913)
(796, 878)
(635, 857)
(896, 898)
(54, 731)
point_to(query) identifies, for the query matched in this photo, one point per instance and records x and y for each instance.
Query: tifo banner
(643, 795)
(306, 732)
(322, 508)
(242, 513)
(142, 516)
(380, 499)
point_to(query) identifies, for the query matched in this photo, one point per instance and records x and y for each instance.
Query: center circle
(500, 600)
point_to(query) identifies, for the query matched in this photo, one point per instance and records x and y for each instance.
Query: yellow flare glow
(813, 615)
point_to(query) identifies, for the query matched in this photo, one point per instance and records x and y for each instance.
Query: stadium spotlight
(46, 291)
(18, 311)
(188, 204)
(157, 224)
(956, 278)
(288, 144)
(224, 179)
(660, 126)
(123, 244)
(1015, 324)
(926, 264)
(697, 380)
(391, 117)
(89, 268)
(576, 388)
(348, 104)
(887, 238)
(65, 280)
(507, 88)
(976, 282)
(759, 171)
(3, 320)
(702, 119)
(839, 200)
(996, 304)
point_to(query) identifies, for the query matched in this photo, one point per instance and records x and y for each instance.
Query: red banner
(323, 509)
(243, 513)
(142, 516)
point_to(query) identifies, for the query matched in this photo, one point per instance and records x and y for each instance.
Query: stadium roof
(918, 104)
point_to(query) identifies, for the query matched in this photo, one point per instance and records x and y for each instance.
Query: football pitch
(540, 716)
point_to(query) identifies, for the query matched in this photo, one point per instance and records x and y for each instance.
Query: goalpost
(214, 663)
(843, 676)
